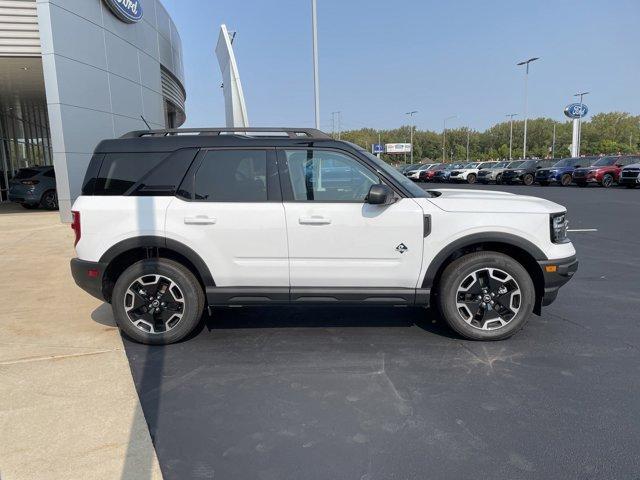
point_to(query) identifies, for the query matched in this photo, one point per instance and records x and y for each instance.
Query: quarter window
(327, 176)
(232, 176)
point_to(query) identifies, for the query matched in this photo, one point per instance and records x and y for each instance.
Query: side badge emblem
(401, 248)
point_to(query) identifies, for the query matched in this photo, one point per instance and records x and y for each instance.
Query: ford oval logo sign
(129, 11)
(576, 110)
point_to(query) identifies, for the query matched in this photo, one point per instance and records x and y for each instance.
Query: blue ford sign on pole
(377, 148)
(129, 11)
(576, 110)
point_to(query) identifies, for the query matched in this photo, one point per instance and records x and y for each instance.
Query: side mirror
(380, 194)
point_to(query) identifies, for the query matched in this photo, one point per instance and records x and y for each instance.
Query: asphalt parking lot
(381, 393)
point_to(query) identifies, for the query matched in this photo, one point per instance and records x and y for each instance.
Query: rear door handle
(314, 220)
(199, 220)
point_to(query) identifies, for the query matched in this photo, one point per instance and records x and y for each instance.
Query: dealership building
(73, 72)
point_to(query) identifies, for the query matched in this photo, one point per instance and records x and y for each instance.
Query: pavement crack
(56, 357)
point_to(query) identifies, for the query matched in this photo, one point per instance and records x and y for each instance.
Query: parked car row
(582, 171)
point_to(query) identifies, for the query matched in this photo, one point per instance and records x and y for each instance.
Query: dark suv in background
(561, 172)
(525, 173)
(33, 187)
(604, 171)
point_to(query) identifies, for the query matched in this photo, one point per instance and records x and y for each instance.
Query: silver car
(494, 174)
(33, 187)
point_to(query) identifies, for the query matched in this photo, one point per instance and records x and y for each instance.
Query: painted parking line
(583, 230)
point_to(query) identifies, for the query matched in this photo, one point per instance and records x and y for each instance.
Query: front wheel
(157, 301)
(499, 179)
(486, 296)
(471, 178)
(565, 181)
(607, 180)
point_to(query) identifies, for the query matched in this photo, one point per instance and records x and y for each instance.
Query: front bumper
(555, 274)
(88, 276)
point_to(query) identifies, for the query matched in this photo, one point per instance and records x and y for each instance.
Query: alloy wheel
(488, 298)
(50, 200)
(154, 303)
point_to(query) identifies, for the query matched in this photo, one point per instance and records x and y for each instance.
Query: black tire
(607, 180)
(459, 270)
(471, 178)
(566, 179)
(189, 287)
(499, 179)
(528, 179)
(29, 206)
(49, 200)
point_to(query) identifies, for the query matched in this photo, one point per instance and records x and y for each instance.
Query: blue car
(33, 187)
(562, 171)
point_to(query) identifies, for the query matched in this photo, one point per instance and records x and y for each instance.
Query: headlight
(559, 225)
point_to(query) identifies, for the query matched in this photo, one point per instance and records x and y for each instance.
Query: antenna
(145, 122)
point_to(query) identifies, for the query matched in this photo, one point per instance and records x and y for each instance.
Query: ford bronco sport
(172, 221)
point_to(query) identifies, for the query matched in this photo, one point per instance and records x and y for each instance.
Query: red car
(605, 171)
(428, 174)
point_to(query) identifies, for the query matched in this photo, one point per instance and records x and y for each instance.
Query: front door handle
(199, 220)
(314, 220)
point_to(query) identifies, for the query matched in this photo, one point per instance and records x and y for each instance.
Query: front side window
(327, 176)
(232, 176)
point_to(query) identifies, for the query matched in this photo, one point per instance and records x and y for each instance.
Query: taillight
(75, 226)
(30, 182)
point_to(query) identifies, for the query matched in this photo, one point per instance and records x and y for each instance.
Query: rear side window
(120, 171)
(232, 176)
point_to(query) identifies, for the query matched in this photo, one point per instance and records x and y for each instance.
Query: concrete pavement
(68, 405)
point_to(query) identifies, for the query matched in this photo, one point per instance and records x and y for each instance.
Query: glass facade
(24, 139)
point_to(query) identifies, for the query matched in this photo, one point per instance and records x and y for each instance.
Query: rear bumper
(88, 276)
(553, 280)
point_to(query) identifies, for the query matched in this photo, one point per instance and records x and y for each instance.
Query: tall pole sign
(576, 111)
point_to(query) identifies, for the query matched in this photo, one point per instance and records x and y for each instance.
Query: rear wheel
(566, 180)
(527, 179)
(607, 180)
(486, 296)
(49, 200)
(157, 301)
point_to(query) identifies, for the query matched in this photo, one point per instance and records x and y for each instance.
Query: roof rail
(291, 132)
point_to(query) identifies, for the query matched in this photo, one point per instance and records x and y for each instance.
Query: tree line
(604, 133)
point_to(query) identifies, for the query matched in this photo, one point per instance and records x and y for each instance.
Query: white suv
(470, 171)
(172, 221)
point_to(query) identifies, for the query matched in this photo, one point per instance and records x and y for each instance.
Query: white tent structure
(235, 108)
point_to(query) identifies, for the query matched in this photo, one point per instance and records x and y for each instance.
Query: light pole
(511, 115)
(468, 135)
(553, 143)
(526, 78)
(316, 86)
(444, 137)
(580, 94)
(411, 114)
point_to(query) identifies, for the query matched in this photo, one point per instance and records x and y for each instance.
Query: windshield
(605, 162)
(527, 164)
(515, 164)
(499, 165)
(26, 173)
(414, 189)
(565, 162)
(471, 165)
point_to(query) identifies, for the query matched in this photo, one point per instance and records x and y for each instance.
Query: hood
(633, 166)
(484, 201)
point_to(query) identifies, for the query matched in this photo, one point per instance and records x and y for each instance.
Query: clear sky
(381, 58)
